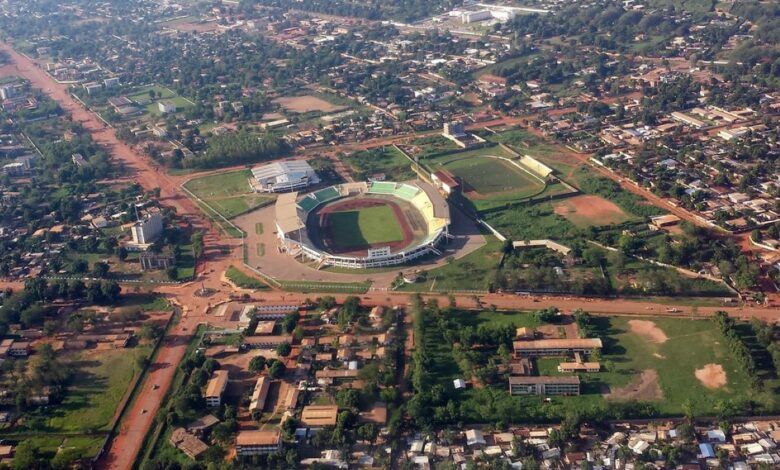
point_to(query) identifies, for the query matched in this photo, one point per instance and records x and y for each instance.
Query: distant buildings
(146, 231)
(284, 176)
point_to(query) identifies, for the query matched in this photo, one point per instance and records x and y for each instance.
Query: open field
(488, 176)
(663, 364)
(307, 104)
(364, 227)
(100, 380)
(79, 424)
(489, 181)
(385, 160)
(244, 281)
(149, 104)
(228, 193)
(142, 95)
(192, 24)
(591, 211)
(474, 271)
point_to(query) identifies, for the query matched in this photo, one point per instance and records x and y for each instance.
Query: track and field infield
(360, 224)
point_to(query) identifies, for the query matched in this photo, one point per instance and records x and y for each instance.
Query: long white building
(280, 177)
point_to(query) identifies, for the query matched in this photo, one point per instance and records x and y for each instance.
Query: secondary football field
(364, 227)
(488, 176)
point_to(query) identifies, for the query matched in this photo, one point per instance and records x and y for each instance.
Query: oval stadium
(363, 225)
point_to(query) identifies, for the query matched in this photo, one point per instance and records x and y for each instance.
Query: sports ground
(364, 227)
(355, 225)
(490, 176)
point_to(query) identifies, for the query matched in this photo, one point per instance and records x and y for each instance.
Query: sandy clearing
(588, 210)
(711, 376)
(647, 330)
(306, 104)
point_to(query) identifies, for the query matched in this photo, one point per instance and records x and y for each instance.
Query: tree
(172, 272)
(368, 432)
(151, 331)
(197, 244)
(25, 456)
(80, 266)
(290, 321)
(100, 269)
(256, 364)
(284, 349)
(276, 370)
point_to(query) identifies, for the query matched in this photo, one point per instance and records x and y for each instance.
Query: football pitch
(489, 176)
(364, 227)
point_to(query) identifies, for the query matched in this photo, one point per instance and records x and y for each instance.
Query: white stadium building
(278, 177)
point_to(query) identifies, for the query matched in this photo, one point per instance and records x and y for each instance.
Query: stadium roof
(440, 208)
(283, 172)
(287, 213)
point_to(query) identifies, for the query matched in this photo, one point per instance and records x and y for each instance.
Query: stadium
(363, 225)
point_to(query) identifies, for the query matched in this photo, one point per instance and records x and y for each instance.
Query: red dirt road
(137, 423)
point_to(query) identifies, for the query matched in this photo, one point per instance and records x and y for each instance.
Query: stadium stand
(381, 187)
(307, 204)
(327, 194)
(406, 192)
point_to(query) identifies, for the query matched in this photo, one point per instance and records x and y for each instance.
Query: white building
(166, 106)
(146, 231)
(285, 176)
(7, 92)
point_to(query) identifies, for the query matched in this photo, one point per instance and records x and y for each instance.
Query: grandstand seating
(308, 203)
(380, 187)
(406, 192)
(327, 194)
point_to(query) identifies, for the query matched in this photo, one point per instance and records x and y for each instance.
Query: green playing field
(489, 176)
(364, 227)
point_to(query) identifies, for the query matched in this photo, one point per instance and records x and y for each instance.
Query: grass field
(363, 227)
(385, 160)
(474, 271)
(244, 281)
(228, 193)
(689, 346)
(488, 182)
(488, 176)
(100, 380)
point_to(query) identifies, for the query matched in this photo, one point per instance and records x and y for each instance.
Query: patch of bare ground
(643, 387)
(711, 376)
(648, 330)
